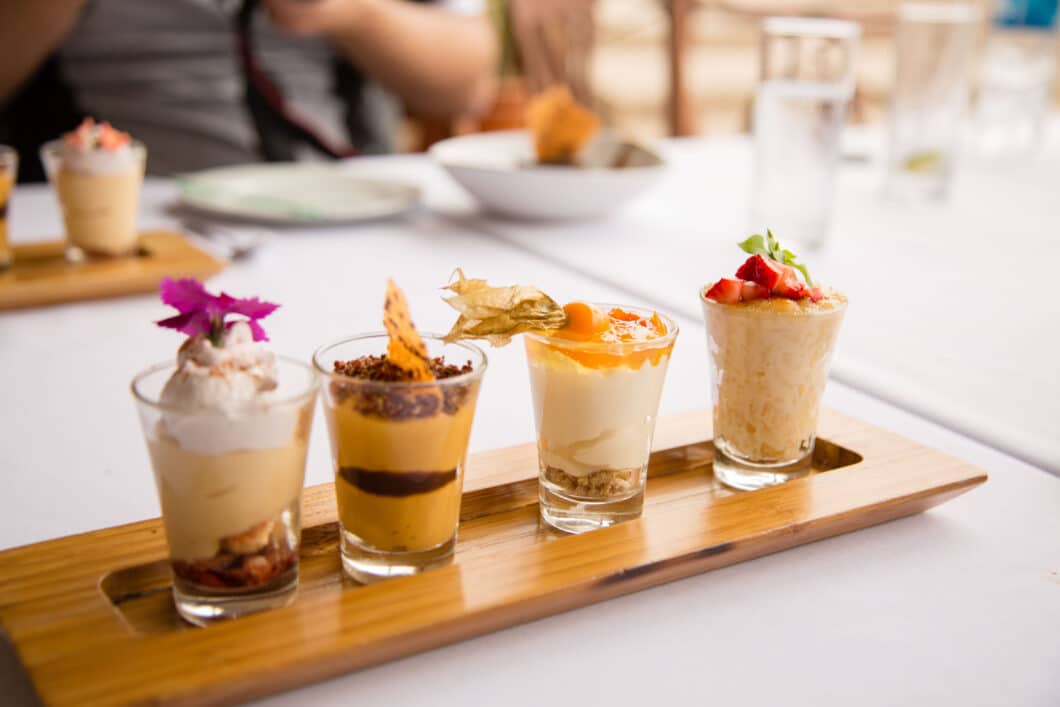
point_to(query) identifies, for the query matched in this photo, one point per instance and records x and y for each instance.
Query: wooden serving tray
(41, 275)
(92, 620)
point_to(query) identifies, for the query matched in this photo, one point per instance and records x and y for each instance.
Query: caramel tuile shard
(406, 349)
(496, 314)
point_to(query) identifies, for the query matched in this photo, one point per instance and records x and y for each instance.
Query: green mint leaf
(771, 248)
(755, 245)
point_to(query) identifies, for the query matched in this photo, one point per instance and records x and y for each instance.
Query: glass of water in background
(935, 54)
(807, 82)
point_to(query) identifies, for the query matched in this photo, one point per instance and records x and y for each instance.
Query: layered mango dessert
(596, 376)
(97, 172)
(771, 336)
(228, 446)
(399, 420)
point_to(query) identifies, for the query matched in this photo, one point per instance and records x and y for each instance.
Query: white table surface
(960, 605)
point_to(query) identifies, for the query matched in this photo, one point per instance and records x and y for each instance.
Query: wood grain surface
(92, 620)
(41, 275)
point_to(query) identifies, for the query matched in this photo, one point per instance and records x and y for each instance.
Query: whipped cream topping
(90, 160)
(220, 397)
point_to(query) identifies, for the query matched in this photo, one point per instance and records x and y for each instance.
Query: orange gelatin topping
(594, 327)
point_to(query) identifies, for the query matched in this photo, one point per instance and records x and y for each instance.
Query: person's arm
(440, 63)
(30, 30)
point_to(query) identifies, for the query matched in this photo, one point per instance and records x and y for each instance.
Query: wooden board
(91, 618)
(41, 275)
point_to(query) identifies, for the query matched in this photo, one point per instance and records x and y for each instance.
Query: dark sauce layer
(396, 483)
(399, 403)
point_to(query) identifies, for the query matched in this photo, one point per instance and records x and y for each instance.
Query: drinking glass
(935, 49)
(595, 406)
(8, 177)
(230, 486)
(801, 103)
(768, 371)
(399, 450)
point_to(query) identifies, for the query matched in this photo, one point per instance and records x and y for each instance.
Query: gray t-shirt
(168, 73)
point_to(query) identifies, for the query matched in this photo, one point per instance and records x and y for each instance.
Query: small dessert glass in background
(769, 364)
(99, 193)
(399, 449)
(230, 487)
(8, 177)
(595, 406)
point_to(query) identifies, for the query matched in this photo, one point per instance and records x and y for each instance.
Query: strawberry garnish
(111, 139)
(758, 269)
(769, 272)
(752, 290)
(789, 285)
(726, 291)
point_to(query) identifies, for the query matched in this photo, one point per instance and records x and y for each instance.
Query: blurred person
(214, 82)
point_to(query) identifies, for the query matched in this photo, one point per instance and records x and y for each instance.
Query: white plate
(294, 194)
(499, 170)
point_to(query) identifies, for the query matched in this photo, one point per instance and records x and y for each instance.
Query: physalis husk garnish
(499, 313)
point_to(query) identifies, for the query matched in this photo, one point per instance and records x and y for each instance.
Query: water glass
(935, 51)
(801, 103)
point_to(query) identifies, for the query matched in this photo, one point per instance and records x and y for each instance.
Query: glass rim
(476, 372)
(8, 154)
(812, 313)
(309, 391)
(614, 347)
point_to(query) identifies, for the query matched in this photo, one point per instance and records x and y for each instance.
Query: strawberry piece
(726, 291)
(816, 294)
(752, 290)
(789, 285)
(764, 271)
(111, 139)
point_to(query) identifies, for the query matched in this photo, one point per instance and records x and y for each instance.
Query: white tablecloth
(956, 606)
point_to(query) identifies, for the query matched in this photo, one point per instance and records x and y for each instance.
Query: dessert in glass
(771, 338)
(8, 176)
(227, 428)
(596, 376)
(97, 172)
(399, 409)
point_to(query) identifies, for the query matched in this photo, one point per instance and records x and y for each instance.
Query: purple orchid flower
(204, 313)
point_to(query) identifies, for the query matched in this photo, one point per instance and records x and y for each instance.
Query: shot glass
(230, 487)
(595, 406)
(934, 59)
(99, 194)
(801, 103)
(768, 372)
(8, 177)
(399, 450)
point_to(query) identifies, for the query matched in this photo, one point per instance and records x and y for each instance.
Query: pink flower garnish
(203, 313)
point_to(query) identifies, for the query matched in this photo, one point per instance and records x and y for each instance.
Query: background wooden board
(41, 275)
(90, 618)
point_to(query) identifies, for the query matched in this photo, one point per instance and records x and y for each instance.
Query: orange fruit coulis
(589, 325)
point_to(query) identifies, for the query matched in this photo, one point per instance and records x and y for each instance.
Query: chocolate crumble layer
(396, 483)
(399, 403)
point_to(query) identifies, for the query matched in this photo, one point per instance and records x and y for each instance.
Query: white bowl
(499, 170)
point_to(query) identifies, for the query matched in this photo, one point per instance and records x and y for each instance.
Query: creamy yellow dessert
(596, 384)
(399, 454)
(771, 337)
(772, 357)
(97, 172)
